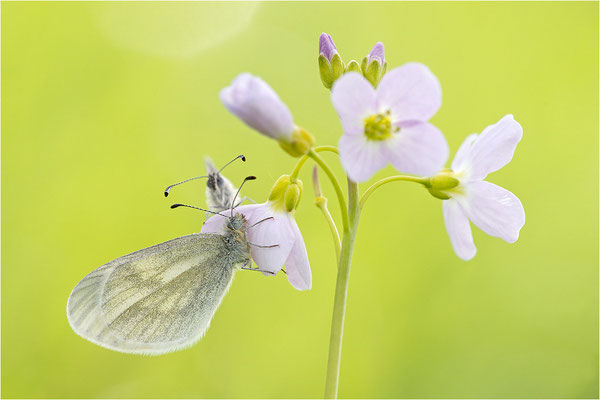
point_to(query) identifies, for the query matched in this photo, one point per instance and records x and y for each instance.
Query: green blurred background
(104, 104)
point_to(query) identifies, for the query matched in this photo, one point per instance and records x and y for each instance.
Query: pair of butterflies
(162, 298)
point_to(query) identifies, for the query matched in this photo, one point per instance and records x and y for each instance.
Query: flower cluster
(385, 120)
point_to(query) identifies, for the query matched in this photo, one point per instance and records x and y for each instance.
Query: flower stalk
(341, 294)
(321, 203)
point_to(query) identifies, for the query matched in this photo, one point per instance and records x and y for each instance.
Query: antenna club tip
(175, 205)
(166, 193)
(243, 157)
(250, 178)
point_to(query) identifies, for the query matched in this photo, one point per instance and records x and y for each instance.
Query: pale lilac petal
(361, 157)
(494, 210)
(326, 46)
(253, 101)
(277, 231)
(411, 92)
(495, 147)
(297, 266)
(217, 223)
(419, 148)
(459, 230)
(463, 152)
(353, 98)
(377, 53)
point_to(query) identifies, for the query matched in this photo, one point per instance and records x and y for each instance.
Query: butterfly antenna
(240, 156)
(248, 178)
(197, 208)
(168, 189)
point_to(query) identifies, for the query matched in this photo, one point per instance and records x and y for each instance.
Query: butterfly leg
(262, 220)
(263, 247)
(244, 199)
(258, 270)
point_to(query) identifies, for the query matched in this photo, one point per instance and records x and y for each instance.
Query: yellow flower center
(379, 126)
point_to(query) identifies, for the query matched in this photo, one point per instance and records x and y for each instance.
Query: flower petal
(277, 231)
(297, 266)
(495, 147)
(353, 98)
(253, 101)
(326, 46)
(410, 92)
(419, 148)
(217, 223)
(361, 157)
(494, 210)
(459, 230)
(377, 53)
(463, 152)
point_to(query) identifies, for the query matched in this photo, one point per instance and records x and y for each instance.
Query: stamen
(379, 126)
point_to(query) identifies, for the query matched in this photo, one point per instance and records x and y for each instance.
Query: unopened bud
(353, 67)
(374, 65)
(331, 66)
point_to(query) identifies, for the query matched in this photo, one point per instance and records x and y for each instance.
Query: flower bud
(299, 144)
(331, 65)
(253, 101)
(374, 65)
(285, 194)
(353, 67)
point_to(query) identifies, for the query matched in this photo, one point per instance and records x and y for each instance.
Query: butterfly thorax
(236, 242)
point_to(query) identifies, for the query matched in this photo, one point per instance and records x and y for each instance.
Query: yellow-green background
(104, 104)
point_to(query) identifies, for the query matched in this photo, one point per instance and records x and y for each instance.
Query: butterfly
(162, 298)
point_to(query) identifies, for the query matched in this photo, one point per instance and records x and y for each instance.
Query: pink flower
(494, 210)
(389, 124)
(253, 101)
(282, 231)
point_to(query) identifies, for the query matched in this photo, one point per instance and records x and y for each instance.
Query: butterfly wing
(219, 190)
(155, 300)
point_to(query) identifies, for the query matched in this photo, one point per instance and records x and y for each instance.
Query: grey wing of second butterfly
(155, 300)
(220, 192)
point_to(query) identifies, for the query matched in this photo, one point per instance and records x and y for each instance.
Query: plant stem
(303, 159)
(336, 186)
(321, 202)
(408, 178)
(341, 293)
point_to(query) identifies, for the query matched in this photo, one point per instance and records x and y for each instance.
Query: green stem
(334, 182)
(407, 178)
(321, 202)
(341, 293)
(304, 158)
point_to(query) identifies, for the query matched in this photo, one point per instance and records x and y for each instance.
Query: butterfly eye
(219, 181)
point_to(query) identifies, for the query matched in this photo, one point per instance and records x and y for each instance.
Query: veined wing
(155, 300)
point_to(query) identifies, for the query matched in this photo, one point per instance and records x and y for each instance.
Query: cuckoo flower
(253, 101)
(273, 233)
(331, 66)
(466, 195)
(389, 124)
(374, 65)
(326, 46)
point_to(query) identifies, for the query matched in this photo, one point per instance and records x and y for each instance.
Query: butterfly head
(237, 223)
